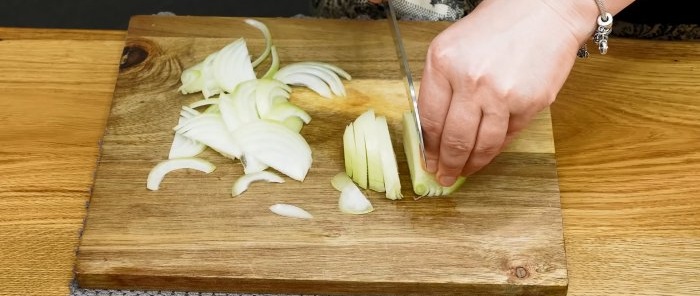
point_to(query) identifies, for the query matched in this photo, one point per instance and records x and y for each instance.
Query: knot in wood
(132, 55)
(521, 272)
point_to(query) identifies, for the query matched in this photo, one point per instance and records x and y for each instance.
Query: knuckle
(486, 150)
(430, 124)
(457, 145)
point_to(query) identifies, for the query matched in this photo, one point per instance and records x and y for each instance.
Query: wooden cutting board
(500, 234)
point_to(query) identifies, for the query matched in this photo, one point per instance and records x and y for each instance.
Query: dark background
(115, 14)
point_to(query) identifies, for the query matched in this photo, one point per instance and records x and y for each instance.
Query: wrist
(581, 15)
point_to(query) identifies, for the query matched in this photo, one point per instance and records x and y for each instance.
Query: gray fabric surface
(75, 291)
(89, 292)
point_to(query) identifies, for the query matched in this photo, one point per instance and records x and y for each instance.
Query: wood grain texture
(54, 97)
(627, 164)
(627, 132)
(501, 234)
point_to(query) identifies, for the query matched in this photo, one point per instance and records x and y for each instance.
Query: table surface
(627, 136)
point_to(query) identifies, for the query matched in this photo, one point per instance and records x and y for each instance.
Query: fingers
(458, 137)
(433, 103)
(490, 137)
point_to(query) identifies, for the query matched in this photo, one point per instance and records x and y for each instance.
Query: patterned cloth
(452, 10)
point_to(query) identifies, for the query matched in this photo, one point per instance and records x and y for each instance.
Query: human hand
(489, 74)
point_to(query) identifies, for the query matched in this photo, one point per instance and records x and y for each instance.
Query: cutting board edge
(311, 287)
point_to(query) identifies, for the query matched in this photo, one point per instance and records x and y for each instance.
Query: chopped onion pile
(250, 118)
(369, 155)
(424, 183)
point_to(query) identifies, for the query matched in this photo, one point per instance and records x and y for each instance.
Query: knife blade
(406, 72)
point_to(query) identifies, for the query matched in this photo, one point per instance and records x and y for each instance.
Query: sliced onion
(348, 149)
(242, 183)
(268, 39)
(192, 79)
(328, 66)
(369, 155)
(204, 102)
(291, 211)
(252, 165)
(237, 108)
(268, 93)
(276, 146)
(188, 112)
(325, 74)
(359, 156)
(232, 65)
(424, 183)
(392, 183)
(183, 146)
(340, 180)
(366, 123)
(311, 81)
(352, 200)
(281, 111)
(158, 172)
(274, 66)
(209, 86)
(210, 130)
(294, 124)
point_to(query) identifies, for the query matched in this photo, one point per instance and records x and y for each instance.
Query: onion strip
(268, 39)
(204, 102)
(352, 200)
(158, 172)
(243, 182)
(276, 146)
(291, 211)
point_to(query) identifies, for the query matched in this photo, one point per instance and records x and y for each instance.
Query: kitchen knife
(406, 72)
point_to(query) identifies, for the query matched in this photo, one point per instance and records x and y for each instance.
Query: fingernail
(447, 180)
(431, 166)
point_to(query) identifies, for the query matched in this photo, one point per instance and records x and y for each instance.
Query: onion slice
(158, 172)
(340, 180)
(268, 39)
(183, 146)
(276, 146)
(242, 183)
(325, 74)
(390, 169)
(352, 200)
(359, 158)
(424, 183)
(328, 66)
(375, 175)
(204, 102)
(311, 81)
(348, 149)
(232, 65)
(291, 211)
(192, 79)
(252, 165)
(210, 130)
